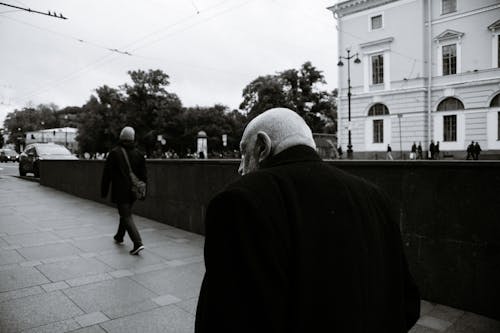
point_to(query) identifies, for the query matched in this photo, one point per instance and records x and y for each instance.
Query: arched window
(495, 102)
(378, 109)
(450, 104)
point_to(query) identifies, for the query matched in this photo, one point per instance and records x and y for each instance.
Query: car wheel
(21, 171)
(36, 171)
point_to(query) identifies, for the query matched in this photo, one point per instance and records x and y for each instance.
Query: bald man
(296, 245)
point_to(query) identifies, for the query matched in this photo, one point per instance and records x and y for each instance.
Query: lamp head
(340, 63)
(357, 61)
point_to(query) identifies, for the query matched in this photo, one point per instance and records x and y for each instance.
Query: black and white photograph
(199, 166)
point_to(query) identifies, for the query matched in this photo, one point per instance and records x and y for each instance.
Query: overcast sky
(211, 49)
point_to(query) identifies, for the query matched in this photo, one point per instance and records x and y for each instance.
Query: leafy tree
(100, 121)
(263, 93)
(29, 119)
(144, 104)
(294, 89)
(150, 108)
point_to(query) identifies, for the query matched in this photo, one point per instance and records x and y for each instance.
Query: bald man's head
(269, 134)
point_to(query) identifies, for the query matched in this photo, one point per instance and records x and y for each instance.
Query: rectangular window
(376, 22)
(450, 128)
(448, 6)
(450, 59)
(378, 131)
(378, 69)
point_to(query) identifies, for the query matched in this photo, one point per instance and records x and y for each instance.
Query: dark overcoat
(116, 173)
(301, 246)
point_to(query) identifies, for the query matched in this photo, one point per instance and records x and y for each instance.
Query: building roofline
(349, 7)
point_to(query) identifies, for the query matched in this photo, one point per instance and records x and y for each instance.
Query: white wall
(406, 53)
(476, 37)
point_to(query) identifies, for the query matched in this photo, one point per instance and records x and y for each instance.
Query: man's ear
(263, 145)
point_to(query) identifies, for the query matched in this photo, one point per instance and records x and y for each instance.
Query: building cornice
(349, 7)
(383, 41)
(495, 26)
(448, 34)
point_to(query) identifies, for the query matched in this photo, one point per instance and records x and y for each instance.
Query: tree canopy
(297, 90)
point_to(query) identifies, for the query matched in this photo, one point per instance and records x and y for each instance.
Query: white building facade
(430, 70)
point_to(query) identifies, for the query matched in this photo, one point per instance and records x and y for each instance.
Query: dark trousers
(127, 223)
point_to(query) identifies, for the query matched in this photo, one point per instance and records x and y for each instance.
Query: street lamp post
(42, 123)
(66, 130)
(400, 137)
(19, 138)
(340, 64)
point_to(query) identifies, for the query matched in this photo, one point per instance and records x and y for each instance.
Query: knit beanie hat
(127, 134)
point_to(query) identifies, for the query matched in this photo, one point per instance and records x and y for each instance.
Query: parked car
(29, 160)
(7, 155)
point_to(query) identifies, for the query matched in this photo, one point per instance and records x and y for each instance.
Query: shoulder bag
(138, 186)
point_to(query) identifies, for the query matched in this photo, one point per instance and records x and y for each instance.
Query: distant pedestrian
(470, 151)
(420, 155)
(413, 154)
(389, 153)
(476, 151)
(432, 148)
(339, 150)
(436, 151)
(117, 174)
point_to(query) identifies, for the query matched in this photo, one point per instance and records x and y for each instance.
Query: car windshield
(9, 152)
(52, 150)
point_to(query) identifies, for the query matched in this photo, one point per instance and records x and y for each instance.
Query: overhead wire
(106, 58)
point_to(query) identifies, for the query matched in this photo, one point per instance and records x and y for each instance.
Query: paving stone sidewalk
(61, 272)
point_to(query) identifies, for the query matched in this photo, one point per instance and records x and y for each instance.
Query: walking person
(436, 151)
(298, 245)
(420, 155)
(413, 154)
(470, 151)
(117, 174)
(432, 148)
(476, 150)
(389, 153)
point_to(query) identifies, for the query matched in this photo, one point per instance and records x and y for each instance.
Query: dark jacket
(300, 246)
(116, 173)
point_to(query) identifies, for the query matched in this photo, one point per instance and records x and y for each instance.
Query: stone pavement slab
(166, 319)
(78, 267)
(48, 251)
(173, 250)
(10, 257)
(20, 277)
(108, 294)
(125, 261)
(38, 310)
(60, 271)
(183, 282)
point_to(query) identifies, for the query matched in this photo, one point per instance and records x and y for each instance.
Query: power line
(193, 25)
(77, 39)
(54, 14)
(170, 26)
(105, 59)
